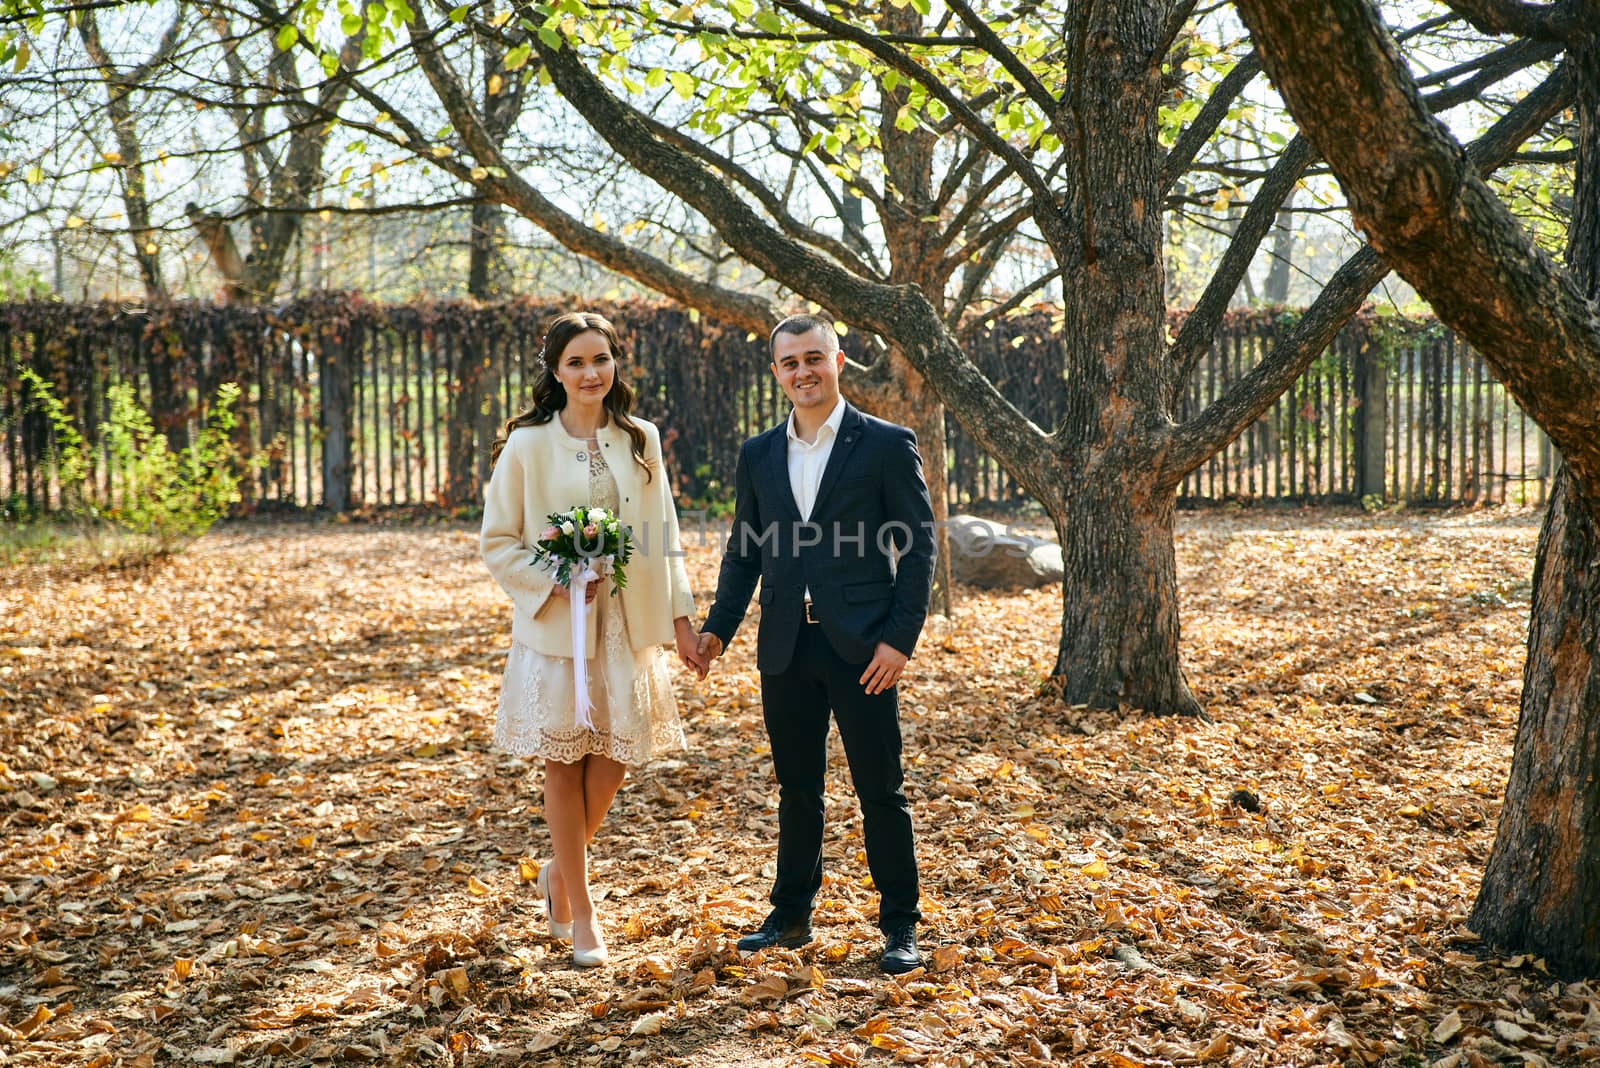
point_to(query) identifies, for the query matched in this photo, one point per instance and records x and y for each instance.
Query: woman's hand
(589, 594)
(689, 647)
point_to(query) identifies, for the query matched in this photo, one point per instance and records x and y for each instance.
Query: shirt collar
(830, 424)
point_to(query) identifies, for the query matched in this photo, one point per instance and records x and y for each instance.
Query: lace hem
(569, 747)
(635, 710)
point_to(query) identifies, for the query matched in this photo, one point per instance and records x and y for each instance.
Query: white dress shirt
(808, 459)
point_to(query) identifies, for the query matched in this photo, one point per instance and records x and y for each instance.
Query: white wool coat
(542, 470)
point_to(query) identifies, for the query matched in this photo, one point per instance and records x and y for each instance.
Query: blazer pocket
(765, 596)
(864, 592)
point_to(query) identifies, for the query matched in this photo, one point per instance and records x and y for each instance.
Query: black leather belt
(809, 617)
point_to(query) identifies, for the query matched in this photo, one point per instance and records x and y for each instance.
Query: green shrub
(160, 499)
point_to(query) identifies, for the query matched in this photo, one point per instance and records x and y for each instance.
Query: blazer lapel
(777, 469)
(850, 428)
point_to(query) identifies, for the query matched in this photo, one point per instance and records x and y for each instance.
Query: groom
(832, 515)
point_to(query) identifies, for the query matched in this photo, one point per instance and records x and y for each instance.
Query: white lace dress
(635, 713)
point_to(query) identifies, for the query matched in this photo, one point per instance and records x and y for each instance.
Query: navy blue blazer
(872, 506)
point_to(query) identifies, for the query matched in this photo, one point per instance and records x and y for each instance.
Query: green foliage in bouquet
(591, 535)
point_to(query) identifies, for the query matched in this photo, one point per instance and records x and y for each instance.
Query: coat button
(582, 456)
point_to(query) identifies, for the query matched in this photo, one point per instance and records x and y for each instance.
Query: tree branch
(969, 327)
(1544, 22)
(1195, 336)
(991, 43)
(756, 188)
(899, 312)
(1418, 196)
(1206, 121)
(745, 309)
(974, 124)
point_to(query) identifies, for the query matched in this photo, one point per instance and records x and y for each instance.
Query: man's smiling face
(807, 370)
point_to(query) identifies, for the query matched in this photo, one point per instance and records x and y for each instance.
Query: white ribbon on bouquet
(577, 598)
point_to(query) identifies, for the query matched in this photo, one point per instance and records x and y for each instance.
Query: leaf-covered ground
(250, 815)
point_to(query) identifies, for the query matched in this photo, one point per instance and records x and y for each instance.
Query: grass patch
(85, 544)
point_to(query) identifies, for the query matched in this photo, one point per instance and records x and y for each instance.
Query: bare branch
(1206, 121)
(1544, 22)
(1240, 406)
(972, 324)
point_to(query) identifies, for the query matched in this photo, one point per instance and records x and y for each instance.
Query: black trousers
(797, 704)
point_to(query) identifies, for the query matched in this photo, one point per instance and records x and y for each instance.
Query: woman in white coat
(578, 445)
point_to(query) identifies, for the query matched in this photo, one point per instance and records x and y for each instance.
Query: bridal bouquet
(586, 536)
(581, 545)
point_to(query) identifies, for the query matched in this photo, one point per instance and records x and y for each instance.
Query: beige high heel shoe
(557, 930)
(591, 958)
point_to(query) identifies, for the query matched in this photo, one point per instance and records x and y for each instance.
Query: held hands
(689, 648)
(888, 663)
(707, 648)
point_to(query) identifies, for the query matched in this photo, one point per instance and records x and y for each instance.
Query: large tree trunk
(904, 396)
(921, 411)
(1119, 620)
(1119, 614)
(1541, 890)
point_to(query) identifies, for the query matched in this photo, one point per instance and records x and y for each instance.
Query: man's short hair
(803, 324)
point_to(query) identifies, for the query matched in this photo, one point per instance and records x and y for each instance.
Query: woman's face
(587, 368)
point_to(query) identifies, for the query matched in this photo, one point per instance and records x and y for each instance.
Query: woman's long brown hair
(550, 396)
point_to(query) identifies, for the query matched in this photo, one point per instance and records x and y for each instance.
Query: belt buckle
(809, 617)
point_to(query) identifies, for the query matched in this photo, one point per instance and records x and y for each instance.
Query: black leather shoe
(900, 951)
(777, 931)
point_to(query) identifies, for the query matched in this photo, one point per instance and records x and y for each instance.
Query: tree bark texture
(1119, 626)
(1541, 887)
(901, 395)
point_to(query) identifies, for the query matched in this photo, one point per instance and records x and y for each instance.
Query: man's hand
(709, 648)
(888, 663)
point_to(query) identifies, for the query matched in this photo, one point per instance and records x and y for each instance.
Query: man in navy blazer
(831, 514)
